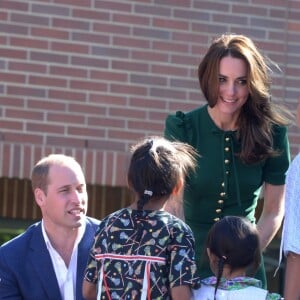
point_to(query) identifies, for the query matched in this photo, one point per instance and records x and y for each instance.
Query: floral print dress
(141, 255)
(237, 288)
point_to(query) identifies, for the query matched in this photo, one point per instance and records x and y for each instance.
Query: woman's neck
(224, 121)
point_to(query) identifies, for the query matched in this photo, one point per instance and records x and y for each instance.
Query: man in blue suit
(48, 260)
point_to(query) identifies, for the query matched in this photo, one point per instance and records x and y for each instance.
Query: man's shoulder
(92, 223)
(20, 242)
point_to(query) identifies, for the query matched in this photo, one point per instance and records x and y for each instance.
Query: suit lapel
(42, 265)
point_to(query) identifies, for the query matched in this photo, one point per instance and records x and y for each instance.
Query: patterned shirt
(140, 254)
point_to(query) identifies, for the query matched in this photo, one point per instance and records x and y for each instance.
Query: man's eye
(81, 189)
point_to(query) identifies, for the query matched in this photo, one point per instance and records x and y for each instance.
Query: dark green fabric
(222, 185)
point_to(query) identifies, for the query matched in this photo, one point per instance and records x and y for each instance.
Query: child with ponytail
(143, 252)
(233, 251)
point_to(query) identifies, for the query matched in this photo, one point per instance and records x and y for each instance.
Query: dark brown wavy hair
(259, 113)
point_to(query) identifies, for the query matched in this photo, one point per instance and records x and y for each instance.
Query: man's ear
(40, 197)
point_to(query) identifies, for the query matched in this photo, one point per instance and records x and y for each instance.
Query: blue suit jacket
(26, 270)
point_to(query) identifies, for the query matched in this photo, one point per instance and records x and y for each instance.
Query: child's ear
(208, 252)
(211, 256)
(178, 188)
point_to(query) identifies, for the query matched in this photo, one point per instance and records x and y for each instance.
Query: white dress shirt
(66, 276)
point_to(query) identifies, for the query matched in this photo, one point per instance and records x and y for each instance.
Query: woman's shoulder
(279, 130)
(187, 116)
(180, 125)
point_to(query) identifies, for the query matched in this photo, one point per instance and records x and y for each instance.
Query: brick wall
(89, 77)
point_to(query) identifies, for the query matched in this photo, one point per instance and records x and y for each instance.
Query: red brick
(69, 47)
(130, 65)
(105, 122)
(13, 29)
(49, 128)
(129, 113)
(131, 42)
(77, 142)
(47, 81)
(30, 19)
(148, 103)
(88, 85)
(27, 67)
(28, 43)
(107, 99)
(11, 101)
(89, 62)
(85, 132)
(111, 28)
(128, 89)
(84, 3)
(90, 14)
(92, 38)
(68, 71)
(131, 19)
(64, 118)
(23, 138)
(11, 53)
(11, 125)
(50, 33)
(117, 6)
(49, 57)
(145, 126)
(12, 77)
(126, 135)
(66, 95)
(51, 9)
(23, 114)
(86, 109)
(14, 5)
(45, 105)
(24, 90)
(173, 24)
(108, 75)
(70, 23)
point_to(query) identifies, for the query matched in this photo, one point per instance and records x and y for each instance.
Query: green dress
(222, 185)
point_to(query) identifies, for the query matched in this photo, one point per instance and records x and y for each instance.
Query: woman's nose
(231, 88)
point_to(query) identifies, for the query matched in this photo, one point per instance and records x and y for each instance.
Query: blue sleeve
(8, 282)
